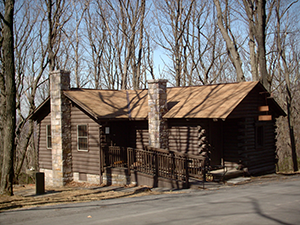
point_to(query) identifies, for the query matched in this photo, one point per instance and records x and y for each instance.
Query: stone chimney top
(162, 81)
(60, 78)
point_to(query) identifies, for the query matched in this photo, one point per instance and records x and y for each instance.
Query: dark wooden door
(216, 142)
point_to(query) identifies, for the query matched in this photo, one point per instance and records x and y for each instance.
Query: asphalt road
(276, 202)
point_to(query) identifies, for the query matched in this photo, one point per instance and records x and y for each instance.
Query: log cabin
(234, 122)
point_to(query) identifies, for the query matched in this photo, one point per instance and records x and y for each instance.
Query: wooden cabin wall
(85, 162)
(140, 135)
(44, 154)
(258, 159)
(262, 159)
(188, 136)
(249, 106)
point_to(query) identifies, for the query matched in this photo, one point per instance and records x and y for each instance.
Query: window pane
(49, 143)
(82, 130)
(82, 143)
(82, 138)
(49, 130)
(48, 136)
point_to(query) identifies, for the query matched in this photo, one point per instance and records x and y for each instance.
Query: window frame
(83, 137)
(48, 135)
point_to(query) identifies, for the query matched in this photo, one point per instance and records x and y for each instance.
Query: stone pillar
(157, 103)
(60, 128)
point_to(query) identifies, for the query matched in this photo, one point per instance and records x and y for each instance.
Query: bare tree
(116, 37)
(96, 36)
(257, 22)
(2, 97)
(288, 70)
(8, 88)
(57, 17)
(173, 19)
(232, 46)
(136, 63)
(75, 37)
(31, 63)
(207, 55)
(130, 17)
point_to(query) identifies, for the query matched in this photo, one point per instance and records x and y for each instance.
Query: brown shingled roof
(207, 101)
(108, 104)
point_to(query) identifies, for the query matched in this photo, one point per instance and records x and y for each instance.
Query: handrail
(156, 162)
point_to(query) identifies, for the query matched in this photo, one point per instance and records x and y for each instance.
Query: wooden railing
(114, 156)
(156, 162)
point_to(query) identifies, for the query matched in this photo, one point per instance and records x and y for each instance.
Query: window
(82, 138)
(48, 136)
(259, 136)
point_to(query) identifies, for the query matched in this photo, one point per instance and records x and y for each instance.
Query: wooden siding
(262, 159)
(140, 135)
(142, 138)
(44, 154)
(240, 135)
(240, 145)
(249, 106)
(85, 161)
(188, 136)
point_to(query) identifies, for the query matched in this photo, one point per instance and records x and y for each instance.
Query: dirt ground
(25, 196)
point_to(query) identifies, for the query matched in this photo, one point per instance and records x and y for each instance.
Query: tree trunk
(10, 111)
(141, 46)
(24, 149)
(236, 59)
(289, 98)
(261, 40)
(291, 130)
(51, 57)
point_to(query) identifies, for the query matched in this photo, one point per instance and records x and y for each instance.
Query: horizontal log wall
(262, 159)
(44, 154)
(244, 149)
(188, 136)
(142, 138)
(85, 161)
(138, 134)
(249, 106)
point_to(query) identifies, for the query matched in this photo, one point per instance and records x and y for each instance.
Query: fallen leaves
(63, 195)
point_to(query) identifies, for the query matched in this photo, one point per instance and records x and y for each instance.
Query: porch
(154, 167)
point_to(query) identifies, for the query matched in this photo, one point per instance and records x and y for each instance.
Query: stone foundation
(116, 176)
(48, 176)
(90, 178)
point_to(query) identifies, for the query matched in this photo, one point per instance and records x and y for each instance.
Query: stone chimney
(157, 103)
(60, 128)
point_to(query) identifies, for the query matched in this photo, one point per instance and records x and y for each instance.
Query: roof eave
(34, 114)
